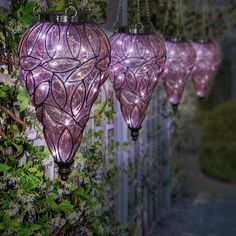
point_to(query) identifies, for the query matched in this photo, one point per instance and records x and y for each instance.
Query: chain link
(169, 6)
(118, 15)
(139, 22)
(182, 19)
(70, 2)
(148, 12)
(177, 17)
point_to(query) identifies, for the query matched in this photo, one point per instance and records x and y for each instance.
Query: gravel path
(209, 207)
(199, 218)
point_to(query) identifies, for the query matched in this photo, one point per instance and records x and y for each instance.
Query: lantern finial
(64, 170)
(134, 133)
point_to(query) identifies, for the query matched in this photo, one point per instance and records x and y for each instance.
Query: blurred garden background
(182, 180)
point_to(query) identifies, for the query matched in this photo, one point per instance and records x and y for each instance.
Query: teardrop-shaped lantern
(207, 63)
(63, 64)
(137, 60)
(179, 64)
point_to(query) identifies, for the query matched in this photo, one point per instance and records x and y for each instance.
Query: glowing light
(179, 63)
(207, 63)
(67, 123)
(62, 100)
(130, 64)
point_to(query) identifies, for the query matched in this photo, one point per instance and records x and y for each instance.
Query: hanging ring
(73, 10)
(139, 26)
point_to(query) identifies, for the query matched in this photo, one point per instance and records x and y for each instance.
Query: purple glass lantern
(207, 63)
(179, 64)
(137, 61)
(63, 65)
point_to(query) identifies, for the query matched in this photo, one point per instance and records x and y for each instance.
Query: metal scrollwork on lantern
(63, 63)
(179, 64)
(137, 60)
(208, 59)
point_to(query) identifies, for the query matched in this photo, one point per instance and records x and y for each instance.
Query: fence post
(120, 128)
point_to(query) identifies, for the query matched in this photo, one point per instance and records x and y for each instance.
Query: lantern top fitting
(135, 30)
(75, 16)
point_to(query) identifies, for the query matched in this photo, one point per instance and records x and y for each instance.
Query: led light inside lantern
(179, 64)
(137, 60)
(207, 63)
(63, 64)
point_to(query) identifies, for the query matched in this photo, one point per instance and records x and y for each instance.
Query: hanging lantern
(137, 60)
(208, 59)
(63, 63)
(179, 64)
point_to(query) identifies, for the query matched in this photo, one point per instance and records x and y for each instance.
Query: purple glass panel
(136, 64)
(179, 64)
(206, 66)
(63, 66)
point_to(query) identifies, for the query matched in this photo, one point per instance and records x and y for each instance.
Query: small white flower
(73, 217)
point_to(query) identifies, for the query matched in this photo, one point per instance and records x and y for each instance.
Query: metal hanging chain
(177, 17)
(182, 19)
(203, 19)
(148, 13)
(193, 31)
(118, 15)
(139, 23)
(169, 6)
(209, 32)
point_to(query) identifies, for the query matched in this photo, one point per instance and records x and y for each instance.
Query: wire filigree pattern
(136, 64)
(207, 63)
(63, 66)
(179, 64)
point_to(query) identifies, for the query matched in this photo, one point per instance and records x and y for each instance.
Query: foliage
(30, 203)
(218, 148)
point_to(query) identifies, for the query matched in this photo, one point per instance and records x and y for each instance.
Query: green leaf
(24, 232)
(40, 174)
(32, 170)
(2, 226)
(44, 218)
(65, 206)
(29, 182)
(60, 5)
(24, 105)
(35, 227)
(18, 147)
(2, 94)
(4, 168)
(14, 223)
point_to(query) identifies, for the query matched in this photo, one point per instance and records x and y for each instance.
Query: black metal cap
(134, 133)
(177, 39)
(64, 169)
(175, 107)
(61, 17)
(201, 99)
(135, 30)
